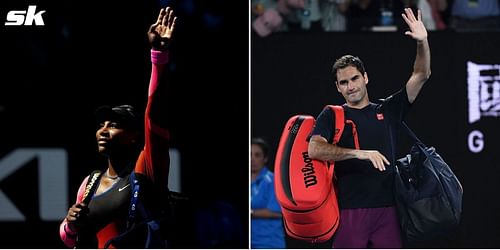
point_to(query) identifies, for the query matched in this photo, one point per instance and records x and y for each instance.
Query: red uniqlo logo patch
(380, 116)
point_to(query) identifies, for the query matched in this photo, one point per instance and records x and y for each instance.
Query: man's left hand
(417, 28)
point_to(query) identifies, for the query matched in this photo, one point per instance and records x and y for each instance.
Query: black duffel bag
(427, 192)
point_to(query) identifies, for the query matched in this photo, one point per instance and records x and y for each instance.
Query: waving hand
(160, 33)
(417, 29)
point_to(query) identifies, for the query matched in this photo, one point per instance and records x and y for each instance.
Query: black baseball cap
(126, 115)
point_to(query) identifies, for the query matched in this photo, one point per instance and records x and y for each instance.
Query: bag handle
(90, 188)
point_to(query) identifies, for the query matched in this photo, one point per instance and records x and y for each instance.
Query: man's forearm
(422, 64)
(320, 149)
(421, 70)
(327, 152)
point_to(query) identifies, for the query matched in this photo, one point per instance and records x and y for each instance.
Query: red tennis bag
(304, 187)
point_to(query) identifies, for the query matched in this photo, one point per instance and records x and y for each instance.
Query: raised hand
(160, 33)
(417, 29)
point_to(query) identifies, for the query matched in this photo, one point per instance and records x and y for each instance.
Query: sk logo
(25, 17)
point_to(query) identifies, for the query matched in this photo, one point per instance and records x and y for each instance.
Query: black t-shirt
(359, 184)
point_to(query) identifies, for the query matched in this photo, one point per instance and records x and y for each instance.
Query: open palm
(417, 29)
(160, 32)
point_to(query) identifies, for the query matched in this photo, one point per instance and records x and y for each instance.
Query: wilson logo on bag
(310, 178)
(304, 186)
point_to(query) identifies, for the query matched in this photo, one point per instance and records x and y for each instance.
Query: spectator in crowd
(270, 16)
(258, 7)
(431, 12)
(305, 15)
(362, 15)
(437, 8)
(270, 21)
(266, 218)
(267, 16)
(475, 15)
(333, 14)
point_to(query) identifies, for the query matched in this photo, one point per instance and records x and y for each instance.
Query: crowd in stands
(268, 16)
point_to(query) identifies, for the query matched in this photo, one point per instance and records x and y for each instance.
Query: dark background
(291, 75)
(92, 53)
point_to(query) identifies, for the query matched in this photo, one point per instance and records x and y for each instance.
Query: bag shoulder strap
(134, 204)
(338, 111)
(410, 133)
(92, 184)
(339, 122)
(406, 129)
(133, 207)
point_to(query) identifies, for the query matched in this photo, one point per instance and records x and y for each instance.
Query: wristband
(70, 234)
(159, 57)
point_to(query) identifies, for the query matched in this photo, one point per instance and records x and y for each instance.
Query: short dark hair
(262, 144)
(344, 62)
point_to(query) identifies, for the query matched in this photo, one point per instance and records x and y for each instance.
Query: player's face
(112, 137)
(352, 85)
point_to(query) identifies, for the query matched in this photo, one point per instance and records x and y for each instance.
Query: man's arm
(320, 149)
(422, 65)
